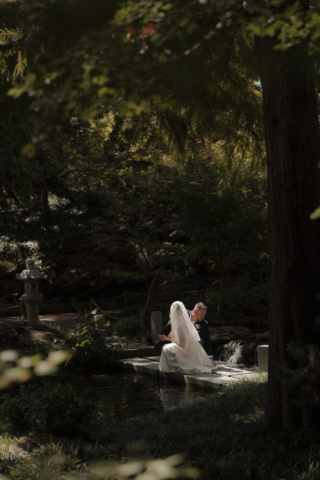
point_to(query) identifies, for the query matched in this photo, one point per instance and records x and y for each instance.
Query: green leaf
(28, 150)
(315, 214)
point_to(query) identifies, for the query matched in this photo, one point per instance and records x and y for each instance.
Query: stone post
(263, 351)
(156, 325)
(31, 298)
(101, 321)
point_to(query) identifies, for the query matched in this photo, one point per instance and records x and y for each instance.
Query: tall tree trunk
(46, 212)
(150, 290)
(223, 281)
(8, 189)
(293, 154)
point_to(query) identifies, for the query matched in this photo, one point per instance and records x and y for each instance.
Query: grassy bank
(222, 436)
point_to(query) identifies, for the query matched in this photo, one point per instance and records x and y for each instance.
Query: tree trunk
(223, 281)
(150, 290)
(46, 212)
(8, 189)
(293, 153)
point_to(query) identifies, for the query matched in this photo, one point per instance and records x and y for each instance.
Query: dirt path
(67, 321)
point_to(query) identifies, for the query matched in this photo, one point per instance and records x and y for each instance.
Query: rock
(219, 339)
(247, 321)
(263, 336)
(23, 445)
(217, 320)
(221, 335)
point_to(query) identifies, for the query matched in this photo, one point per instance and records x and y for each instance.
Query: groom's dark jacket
(203, 330)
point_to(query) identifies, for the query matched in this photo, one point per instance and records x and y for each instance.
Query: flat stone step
(222, 377)
(131, 349)
(135, 352)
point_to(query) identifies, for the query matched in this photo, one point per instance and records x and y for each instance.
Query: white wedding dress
(185, 354)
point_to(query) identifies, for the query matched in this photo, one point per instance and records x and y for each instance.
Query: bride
(185, 354)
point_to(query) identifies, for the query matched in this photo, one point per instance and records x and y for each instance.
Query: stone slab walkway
(222, 377)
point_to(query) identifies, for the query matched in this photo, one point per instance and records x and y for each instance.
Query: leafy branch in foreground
(19, 370)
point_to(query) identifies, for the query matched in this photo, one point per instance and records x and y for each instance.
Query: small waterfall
(235, 358)
(236, 352)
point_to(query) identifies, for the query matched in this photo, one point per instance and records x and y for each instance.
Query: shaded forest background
(133, 158)
(130, 183)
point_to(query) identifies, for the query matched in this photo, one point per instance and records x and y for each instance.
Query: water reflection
(171, 398)
(119, 396)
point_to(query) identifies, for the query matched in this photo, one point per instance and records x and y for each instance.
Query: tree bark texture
(5, 183)
(45, 207)
(150, 291)
(293, 154)
(46, 212)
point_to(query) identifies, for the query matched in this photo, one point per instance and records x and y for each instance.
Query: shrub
(132, 328)
(123, 327)
(46, 407)
(89, 342)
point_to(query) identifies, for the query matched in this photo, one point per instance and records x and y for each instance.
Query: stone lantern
(31, 297)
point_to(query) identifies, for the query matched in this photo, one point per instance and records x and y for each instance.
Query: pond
(122, 395)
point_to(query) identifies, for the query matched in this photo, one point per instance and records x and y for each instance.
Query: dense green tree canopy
(95, 92)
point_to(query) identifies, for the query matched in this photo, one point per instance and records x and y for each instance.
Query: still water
(120, 396)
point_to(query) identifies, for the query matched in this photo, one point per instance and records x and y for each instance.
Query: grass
(223, 437)
(49, 462)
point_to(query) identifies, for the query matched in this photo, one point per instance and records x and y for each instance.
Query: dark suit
(204, 334)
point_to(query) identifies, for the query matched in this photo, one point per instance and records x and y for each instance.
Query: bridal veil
(185, 354)
(183, 332)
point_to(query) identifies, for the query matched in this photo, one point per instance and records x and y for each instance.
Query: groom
(197, 318)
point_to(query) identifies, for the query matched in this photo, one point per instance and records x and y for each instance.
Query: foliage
(233, 443)
(47, 269)
(130, 328)
(47, 407)
(20, 369)
(224, 215)
(89, 342)
(223, 436)
(189, 217)
(53, 459)
(114, 165)
(39, 348)
(243, 293)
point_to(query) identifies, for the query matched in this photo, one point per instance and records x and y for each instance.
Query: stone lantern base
(31, 298)
(32, 306)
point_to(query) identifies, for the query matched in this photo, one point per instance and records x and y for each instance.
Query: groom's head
(200, 311)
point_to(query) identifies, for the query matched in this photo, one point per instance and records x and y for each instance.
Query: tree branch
(7, 46)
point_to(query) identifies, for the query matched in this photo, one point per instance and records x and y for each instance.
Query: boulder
(23, 445)
(263, 336)
(224, 334)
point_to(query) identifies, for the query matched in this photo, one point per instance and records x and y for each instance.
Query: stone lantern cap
(31, 272)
